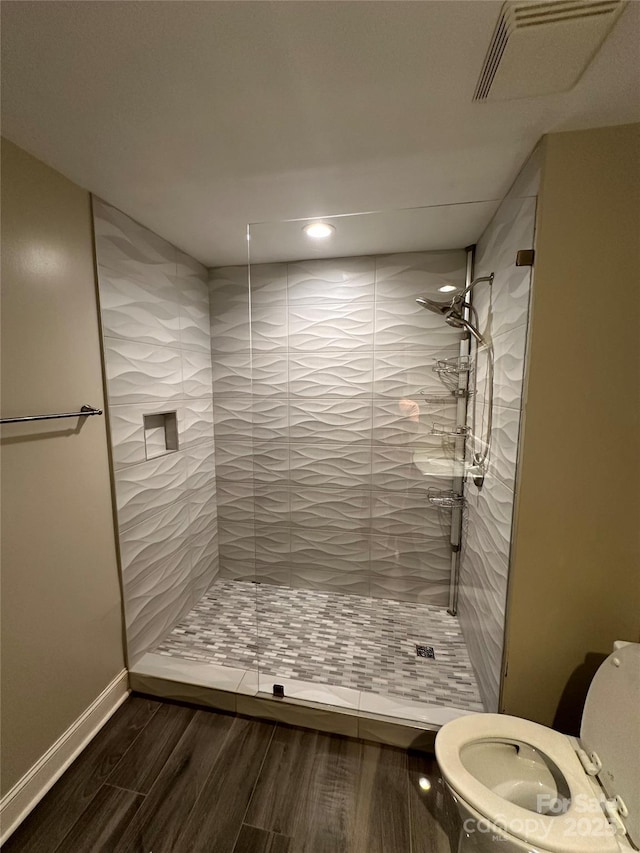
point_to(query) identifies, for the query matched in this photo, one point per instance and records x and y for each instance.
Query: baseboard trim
(28, 791)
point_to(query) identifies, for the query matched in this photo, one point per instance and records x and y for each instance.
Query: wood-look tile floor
(168, 778)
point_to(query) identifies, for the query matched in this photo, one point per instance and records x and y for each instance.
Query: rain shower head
(450, 311)
(441, 308)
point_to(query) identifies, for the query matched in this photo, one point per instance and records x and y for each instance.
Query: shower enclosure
(338, 538)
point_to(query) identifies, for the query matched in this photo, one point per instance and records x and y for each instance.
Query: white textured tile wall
(504, 311)
(316, 475)
(154, 304)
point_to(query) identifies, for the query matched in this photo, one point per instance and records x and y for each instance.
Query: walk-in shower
(297, 470)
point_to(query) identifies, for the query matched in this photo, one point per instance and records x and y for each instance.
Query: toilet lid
(611, 728)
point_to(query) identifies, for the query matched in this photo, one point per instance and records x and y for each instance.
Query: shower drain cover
(425, 652)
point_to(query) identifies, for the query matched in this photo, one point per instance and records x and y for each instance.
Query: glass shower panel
(358, 437)
(231, 634)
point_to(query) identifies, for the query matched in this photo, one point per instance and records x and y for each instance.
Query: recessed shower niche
(160, 434)
(322, 516)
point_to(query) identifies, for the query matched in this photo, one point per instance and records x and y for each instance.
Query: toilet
(520, 786)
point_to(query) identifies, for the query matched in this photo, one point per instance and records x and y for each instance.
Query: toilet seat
(546, 832)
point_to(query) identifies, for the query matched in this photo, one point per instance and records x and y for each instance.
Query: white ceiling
(410, 230)
(198, 117)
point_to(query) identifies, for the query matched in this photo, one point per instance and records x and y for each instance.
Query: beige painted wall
(61, 619)
(575, 578)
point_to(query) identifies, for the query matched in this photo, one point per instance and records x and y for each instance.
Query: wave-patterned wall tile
(330, 465)
(143, 490)
(203, 509)
(490, 513)
(234, 461)
(236, 570)
(196, 422)
(340, 509)
(504, 444)
(509, 367)
(237, 550)
(409, 422)
(232, 374)
(130, 249)
(406, 326)
(511, 229)
(133, 309)
(191, 282)
(345, 549)
(338, 326)
(156, 596)
(406, 276)
(273, 554)
(487, 521)
(269, 328)
(240, 535)
(270, 463)
(410, 569)
(330, 579)
(268, 284)
(140, 373)
(330, 375)
(337, 560)
(269, 374)
(201, 466)
(155, 314)
(272, 504)
(205, 562)
(155, 539)
(404, 374)
(340, 280)
(270, 419)
(408, 514)
(230, 327)
(229, 284)
(233, 418)
(481, 609)
(196, 374)
(394, 467)
(241, 418)
(235, 501)
(319, 420)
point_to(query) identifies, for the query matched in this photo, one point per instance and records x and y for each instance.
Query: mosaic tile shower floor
(329, 638)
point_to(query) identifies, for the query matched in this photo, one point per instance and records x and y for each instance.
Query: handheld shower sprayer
(453, 311)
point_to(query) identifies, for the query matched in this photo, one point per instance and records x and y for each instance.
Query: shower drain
(425, 652)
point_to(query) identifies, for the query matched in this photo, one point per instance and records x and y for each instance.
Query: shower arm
(459, 301)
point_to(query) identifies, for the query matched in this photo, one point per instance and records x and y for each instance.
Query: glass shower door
(354, 430)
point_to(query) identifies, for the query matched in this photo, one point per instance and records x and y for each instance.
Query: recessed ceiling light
(447, 288)
(318, 230)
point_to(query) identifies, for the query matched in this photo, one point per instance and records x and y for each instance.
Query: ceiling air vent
(543, 47)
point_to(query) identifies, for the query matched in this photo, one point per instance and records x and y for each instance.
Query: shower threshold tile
(315, 638)
(305, 691)
(199, 673)
(407, 711)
